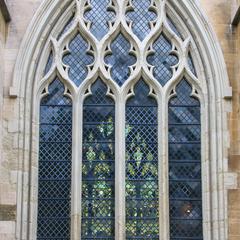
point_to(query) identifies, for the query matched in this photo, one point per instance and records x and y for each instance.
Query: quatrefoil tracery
(120, 61)
(113, 44)
(78, 59)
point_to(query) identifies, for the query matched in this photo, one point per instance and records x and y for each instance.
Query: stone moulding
(216, 92)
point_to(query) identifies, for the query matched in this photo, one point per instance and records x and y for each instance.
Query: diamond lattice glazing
(141, 166)
(98, 171)
(99, 16)
(120, 60)
(141, 16)
(162, 59)
(78, 59)
(185, 188)
(54, 184)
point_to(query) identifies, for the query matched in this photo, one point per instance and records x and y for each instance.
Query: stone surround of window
(211, 87)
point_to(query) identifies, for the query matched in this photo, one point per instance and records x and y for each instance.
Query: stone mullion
(120, 170)
(76, 170)
(163, 168)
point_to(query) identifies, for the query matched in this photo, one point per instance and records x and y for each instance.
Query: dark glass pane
(77, 59)
(98, 171)
(174, 27)
(120, 60)
(66, 27)
(191, 64)
(142, 211)
(162, 59)
(55, 154)
(49, 63)
(141, 16)
(185, 188)
(99, 16)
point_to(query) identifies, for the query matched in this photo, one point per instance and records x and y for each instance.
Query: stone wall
(10, 38)
(219, 13)
(6, 221)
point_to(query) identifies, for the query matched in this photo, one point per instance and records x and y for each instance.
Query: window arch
(118, 53)
(163, 61)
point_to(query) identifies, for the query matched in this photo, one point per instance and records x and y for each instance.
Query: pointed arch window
(120, 152)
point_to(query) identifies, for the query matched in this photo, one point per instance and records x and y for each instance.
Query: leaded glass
(98, 171)
(142, 201)
(49, 63)
(120, 59)
(99, 16)
(173, 27)
(78, 59)
(185, 188)
(55, 153)
(140, 16)
(162, 59)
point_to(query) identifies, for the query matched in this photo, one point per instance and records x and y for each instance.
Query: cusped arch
(218, 90)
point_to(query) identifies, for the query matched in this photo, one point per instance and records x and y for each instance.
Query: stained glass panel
(98, 171)
(141, 15)
(77, 59)
(185, 188)
(99, 16)
(142, 201)
(120, 59)
(162, 59)
(55, 153)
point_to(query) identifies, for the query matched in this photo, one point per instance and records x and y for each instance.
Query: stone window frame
(214, 94)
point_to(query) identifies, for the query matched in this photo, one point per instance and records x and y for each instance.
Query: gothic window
(120, 151)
